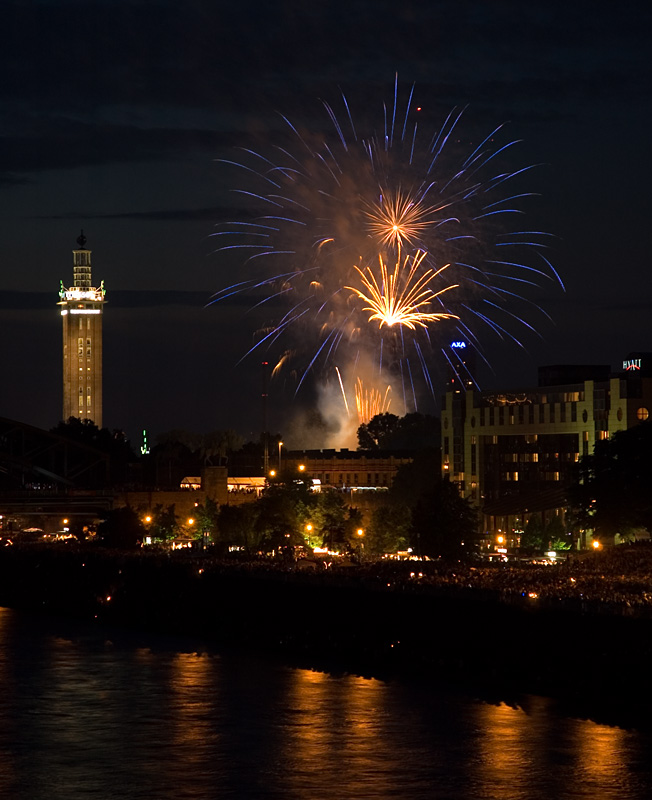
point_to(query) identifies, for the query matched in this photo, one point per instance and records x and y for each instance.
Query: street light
(302, 467)
(360, 533)
(280, 445)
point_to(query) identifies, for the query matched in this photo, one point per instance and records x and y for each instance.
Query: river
(86, 712)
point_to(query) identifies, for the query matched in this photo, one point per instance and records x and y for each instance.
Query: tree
(389, 530)
(164, 523)
(122, 529)
(533, 538)
(444, 523)
(556, 535)
(207, 519)
(282, 512)
(415, 478)
(389, 432)
(612, 491)
(237, 526)
(372, 435)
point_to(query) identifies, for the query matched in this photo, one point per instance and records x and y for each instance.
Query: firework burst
(319, 205)
(401, 297)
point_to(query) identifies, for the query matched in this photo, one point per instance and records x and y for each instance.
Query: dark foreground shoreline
(593, 662)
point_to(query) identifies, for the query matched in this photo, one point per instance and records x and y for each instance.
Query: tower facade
(82, 306)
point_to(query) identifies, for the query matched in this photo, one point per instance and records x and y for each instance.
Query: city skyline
(122, 139)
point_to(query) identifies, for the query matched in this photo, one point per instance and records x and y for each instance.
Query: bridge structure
(43, 474)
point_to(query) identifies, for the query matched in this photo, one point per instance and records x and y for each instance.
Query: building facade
(82, 307)
(513, 452)
(346, 469)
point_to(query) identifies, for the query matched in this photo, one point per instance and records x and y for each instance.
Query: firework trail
(322, 210)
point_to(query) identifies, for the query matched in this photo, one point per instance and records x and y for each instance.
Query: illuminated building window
(81, 323)
(642, 413)
(80, 347)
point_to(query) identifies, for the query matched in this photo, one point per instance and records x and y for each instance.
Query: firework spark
(370, 402)
(400, 297)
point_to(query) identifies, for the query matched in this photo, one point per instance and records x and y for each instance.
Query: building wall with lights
(346, 469)
(513, 452)
(82, 307)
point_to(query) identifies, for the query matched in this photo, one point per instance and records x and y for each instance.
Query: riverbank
(381, 621)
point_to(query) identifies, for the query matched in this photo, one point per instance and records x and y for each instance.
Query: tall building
(82, 306)
(512, 452)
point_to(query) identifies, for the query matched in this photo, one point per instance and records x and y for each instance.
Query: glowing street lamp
(302, 467)
(280, 445)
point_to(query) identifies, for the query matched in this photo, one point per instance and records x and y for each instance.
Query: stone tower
(82, 306)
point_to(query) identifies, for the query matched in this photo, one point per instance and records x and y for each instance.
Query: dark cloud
(172, 215)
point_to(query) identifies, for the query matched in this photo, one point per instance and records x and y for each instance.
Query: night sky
(115, 113)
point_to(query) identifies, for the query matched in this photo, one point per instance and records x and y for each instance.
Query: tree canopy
(389, 432)
(612, 491)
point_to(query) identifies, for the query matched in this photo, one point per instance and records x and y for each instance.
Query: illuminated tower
(81, 309)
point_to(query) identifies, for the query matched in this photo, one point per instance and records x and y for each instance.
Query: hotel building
(512, 452)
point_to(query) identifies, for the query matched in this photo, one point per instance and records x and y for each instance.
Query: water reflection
(84, 714)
